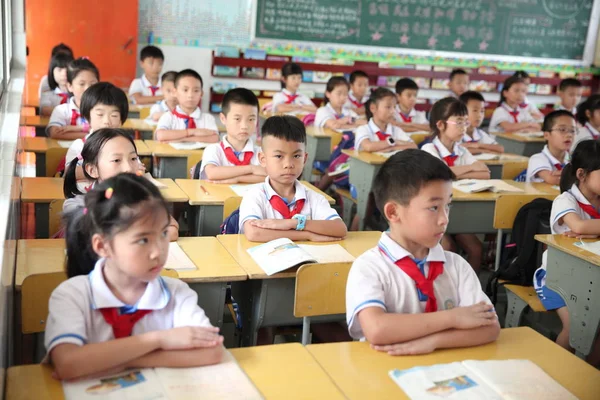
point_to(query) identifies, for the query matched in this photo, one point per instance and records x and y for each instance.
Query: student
(569, 92)
(459, 82)
(358, 94)
(169, 102)
(559, 131)
(408, 296)
(120, 313)
(407, 117)
(575, 214)
(56, 80)
(588, 116)
(146, 89)
(289, 100)
(186, 123)
(106, 154)
(477, 140)
(334, 114)
(380, 134)
(526, 105)
(66, 121)
(509, 117)
(235, 158)
(59, 48)
(282, 206)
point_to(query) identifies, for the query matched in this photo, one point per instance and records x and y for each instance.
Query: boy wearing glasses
(476, 140)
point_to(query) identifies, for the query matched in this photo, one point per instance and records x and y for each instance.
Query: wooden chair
(512, 169)
(419, 137)
(144, 112)
(320, 290)
(230, 205)
(35, 294)
(55, 216)
(54, 156)
(518, 299)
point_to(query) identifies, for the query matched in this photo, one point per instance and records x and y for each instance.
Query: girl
(509, 116)
(107, 153)
(525, 105)
(115, 311)
(448, 122)
(588, 116)
(574, 214)
(59, 48)
(66, 122)
(334, 114)
(57, 92)
(289, 100)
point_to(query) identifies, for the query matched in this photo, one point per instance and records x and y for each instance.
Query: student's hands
(475, 316)
(258, 170)
(424, 345)
(275, 224)
(189, 337)
(576, 235)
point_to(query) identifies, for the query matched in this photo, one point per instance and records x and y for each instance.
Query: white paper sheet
(189, 145)
(178, 260)
(386, 154)
(241, 190)
(482, 185)
(486, 156)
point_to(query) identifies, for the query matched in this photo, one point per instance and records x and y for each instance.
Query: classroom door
(105, 31)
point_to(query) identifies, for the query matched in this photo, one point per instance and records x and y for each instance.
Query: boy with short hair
(169, 101)
(407, 117)
(408, 295)
(187, 123)
(477, 140)
(459, 82)
(146, 89)
(282, 206)
(569, 91)
(235, 158)
(358, 94)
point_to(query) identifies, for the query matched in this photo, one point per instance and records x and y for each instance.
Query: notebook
(189, 145)
(177, 259)
(484, 185)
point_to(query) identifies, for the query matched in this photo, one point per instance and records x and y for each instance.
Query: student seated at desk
(459, 82)
(146, 89)
(44, 84)
(509, 117)
(569, 92)
(187, 123)
(57, 92)
(407, 295)
(289, 100)
(575, 214)
(588, 116)
(526, 105)
(477, 140)
(235, 158)
(115, 311)
(358, 94)
(559, 131)
(407, 117)
(334, 114)
(169, 101)
(282, 206)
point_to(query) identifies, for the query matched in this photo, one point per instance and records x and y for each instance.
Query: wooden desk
(574, 273)
(318, 147)
(496, 166)
(142, 148)
(40, 146)
(135, 110)
(516, 144)
(173, 163)
(269, 300)
(208, 208)
(146, 130)
(362, 373)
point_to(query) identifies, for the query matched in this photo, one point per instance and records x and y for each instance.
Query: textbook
(471, 379)
(177, 259)
(189, 145)
(225, 380)
(484, 185)
(496, 156)
(280, 254)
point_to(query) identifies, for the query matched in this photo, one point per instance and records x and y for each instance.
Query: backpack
(337, 158)
(522, 177)
(195, 171)
(231, 225)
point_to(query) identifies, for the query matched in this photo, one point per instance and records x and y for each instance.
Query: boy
(235, 158)
(169, 101)
(146, 89)
(459, 82)
(407, 118)
(475, 139)
(186, 123)
(282, 206)
(569, 92)
(358, 96)
(389, 301)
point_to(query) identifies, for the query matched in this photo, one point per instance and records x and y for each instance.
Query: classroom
(389, 199)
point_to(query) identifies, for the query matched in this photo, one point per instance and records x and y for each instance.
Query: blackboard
(530, 28)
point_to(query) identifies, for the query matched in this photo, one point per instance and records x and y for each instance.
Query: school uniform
(561, 107)
(143, 86)
(504, 113)
(53, 98)
(354, 104)
(262, 202)
(544, 161)
(287, 97)
(459, 156)
(161, 106)
(80, 307)
(66, 115)
(179, 120)
(44, 86)
(479, 136)
(413, 117)
(327, 112)
(376, 280)
(571, 201)
(587, 132)
(530, 108)
(222, 154)
(371, 132)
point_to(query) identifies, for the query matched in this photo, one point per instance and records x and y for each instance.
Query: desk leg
(172, 167)
(317, 149)
(576, 281)
(211, 298)
(40, 164)
(42, 218)
(362, 176)
(495, 171)
(208, 220)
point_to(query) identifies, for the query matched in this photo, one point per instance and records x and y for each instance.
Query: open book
(222, 381)
(189, 145)
(483, 185)
(531, 134)
(280, 254)
(177, 259)
(490, 380)
(386, 154)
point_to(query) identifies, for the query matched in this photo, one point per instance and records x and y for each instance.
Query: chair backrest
(55, 216)
(54, 156)
(321, 289)
(419, 137)
(512, 169)
(507, 207)
(193, 159)
(144, 112)
(35, 294)
(231, 204)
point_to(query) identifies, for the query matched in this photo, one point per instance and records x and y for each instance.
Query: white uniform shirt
(169, 121)
(502, 114)
(74, 315)
(368, 131)
(376, 281)
(561, 107)
(543, 161)
(255, 204)
(413, 117)
(283, 98)
(354, 104)
(587, 132)
(74, 203)
(529, 107)
(161, 106)
(63, 114)
(326, 113)
(44, 86)
(479, 136)
(143, 86)
(437, 149)
(215, 155)
(75, 149)
(51, 98)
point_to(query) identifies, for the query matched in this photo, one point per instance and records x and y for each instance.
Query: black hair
(288, 69)
(62, 48)
(405, 84)
(444, 109)
(521, 75)
(78, 65)
(59, 60)
(169, 76)
(456, 72)
(569, 82)
(240, 96)
(357, 74)
(133, 198)
(403, 175)
(550, 119)
(104, 93)
(284, 127)
(376, 96)
(187, 73)
(334, 82)
(585, 156)
(591, 104)
(510, 81)
(471, 95)
(89, 155)
(151, 52)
